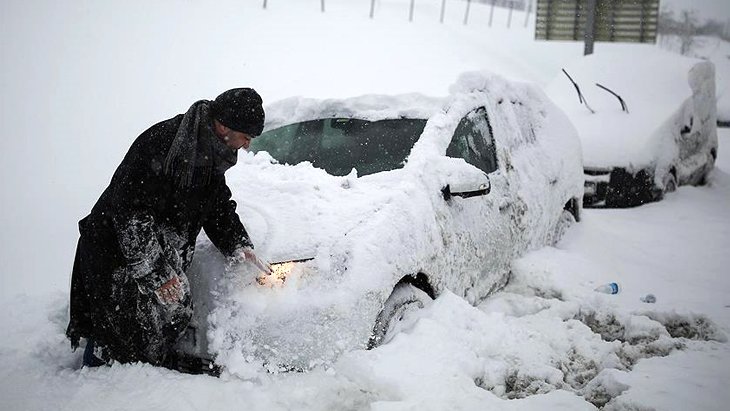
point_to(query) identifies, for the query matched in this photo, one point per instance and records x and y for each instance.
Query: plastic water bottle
(610, 288)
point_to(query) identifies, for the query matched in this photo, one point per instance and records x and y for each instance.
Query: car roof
(371, 107)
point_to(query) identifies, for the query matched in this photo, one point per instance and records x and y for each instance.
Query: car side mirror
(465, 189)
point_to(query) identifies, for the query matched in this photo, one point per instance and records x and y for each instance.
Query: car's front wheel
(404, 301)
(564, 222)
(708, 168)
(670, 183)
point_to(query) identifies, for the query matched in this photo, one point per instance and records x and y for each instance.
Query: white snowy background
(81, 79)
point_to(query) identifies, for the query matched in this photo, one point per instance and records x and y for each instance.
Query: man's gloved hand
(248, 255)
(171, 292)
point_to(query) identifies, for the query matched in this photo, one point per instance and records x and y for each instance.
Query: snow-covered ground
(81, 79)
(546, 342)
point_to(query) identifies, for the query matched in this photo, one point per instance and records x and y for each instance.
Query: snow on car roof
(367, 107)
(656, 89)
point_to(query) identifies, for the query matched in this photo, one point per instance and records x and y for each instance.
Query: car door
(481, 224)
(692, 145)
(698, 135)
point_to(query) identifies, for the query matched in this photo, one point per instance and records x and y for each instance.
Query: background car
(646, 125)
(375, 205)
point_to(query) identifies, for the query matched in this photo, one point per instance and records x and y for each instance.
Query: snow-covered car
(646, 125)
(377, 204)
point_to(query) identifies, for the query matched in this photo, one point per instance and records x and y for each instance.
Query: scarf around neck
(196, 148)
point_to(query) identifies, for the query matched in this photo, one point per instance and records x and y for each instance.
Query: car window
(338, 145)
(277, 142)
(473, 141)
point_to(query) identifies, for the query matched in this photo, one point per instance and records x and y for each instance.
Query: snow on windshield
(339, 145)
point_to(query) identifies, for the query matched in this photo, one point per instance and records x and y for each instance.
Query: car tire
(708, 169)
(703, 178)
(403, 301)
(565, 220)
(670, 183)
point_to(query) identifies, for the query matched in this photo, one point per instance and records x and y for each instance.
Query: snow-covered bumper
(617, 187)
(267, 330)
(295, 320)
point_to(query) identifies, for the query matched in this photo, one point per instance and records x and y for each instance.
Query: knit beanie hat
(240, 109)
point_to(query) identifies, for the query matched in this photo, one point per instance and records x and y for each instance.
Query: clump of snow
(367, 107)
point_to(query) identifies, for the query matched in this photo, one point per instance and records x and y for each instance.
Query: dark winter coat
(141, 233)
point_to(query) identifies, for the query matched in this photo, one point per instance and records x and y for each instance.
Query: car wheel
(708, 168)
(566, 220)
(670, 183)
(405, 299)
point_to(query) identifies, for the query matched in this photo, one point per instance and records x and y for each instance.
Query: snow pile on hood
(658, 89)
(291, 210)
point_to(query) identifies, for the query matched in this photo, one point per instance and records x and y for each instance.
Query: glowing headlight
(280, 271)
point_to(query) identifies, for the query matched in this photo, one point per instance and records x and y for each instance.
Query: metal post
(576, 20)
(590, 31)
(264, 4)
(491, 13)
(413, 5)
(642, 22)
(443, 10)
(322, 6)
(372, 9)
(466, 15)
(527, 14)
(612, 26)
(549, 8)
(509, 17)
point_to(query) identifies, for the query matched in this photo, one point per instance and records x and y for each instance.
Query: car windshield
(338, 145)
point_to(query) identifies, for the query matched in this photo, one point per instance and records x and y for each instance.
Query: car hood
(292, 212)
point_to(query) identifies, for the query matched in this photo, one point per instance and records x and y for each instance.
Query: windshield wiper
(624, 107)
(580, 95)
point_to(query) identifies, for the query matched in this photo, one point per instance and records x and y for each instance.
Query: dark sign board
(632, 21)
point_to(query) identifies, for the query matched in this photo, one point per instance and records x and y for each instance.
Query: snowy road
(546, 341)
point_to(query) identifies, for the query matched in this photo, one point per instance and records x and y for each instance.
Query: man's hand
(171, 292)
(250, 257)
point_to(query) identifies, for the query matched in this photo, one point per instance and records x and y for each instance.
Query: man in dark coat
(129, 292)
